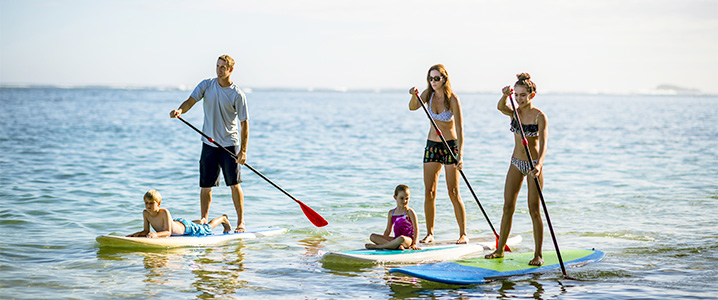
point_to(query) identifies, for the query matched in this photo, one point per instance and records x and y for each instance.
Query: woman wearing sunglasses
(445, 109)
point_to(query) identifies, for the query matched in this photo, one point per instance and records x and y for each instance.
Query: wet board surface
(477, 270)
(440, 251)
(184, 240)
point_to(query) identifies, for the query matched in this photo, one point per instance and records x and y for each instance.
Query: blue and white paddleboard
(184, 240)
(478, 270)
(441, 251)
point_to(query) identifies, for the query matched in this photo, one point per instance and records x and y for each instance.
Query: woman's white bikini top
(445, 116)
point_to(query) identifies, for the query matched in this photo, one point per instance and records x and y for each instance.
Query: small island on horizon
(672, 89)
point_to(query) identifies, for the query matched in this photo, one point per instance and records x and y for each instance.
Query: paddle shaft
(446, 144)
(313, 216)
(525, 142)
(235, 157)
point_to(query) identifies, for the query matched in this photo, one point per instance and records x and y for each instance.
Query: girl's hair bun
(523, 76)
(525, 80)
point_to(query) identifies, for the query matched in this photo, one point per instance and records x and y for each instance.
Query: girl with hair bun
(535, 127)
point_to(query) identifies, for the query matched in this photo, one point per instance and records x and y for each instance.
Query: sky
(604, 46)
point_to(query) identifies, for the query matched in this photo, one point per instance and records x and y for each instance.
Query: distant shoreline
(661, 91)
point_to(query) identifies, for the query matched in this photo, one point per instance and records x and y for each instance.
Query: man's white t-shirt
(223, 108)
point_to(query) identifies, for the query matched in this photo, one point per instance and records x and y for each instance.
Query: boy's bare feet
(463, 240)
(370, 246)
(496, 254)
(428, 239)
(225, 224)
(537, 261)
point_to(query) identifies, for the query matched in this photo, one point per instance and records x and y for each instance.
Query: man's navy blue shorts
(211, 160)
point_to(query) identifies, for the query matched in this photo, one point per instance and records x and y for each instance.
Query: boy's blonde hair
(153, 195)
(400, 188)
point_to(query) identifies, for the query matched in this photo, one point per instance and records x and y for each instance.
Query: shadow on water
(407, 287)
(337, 267)
(123, 254)
(216, 272)
(536, 286)
(312, 245)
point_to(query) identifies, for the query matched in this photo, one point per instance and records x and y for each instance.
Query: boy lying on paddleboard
(162, 222)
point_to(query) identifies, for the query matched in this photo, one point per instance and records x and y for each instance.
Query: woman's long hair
(447, 84)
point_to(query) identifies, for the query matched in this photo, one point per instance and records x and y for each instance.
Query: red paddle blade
(506, 247)
(312, 215)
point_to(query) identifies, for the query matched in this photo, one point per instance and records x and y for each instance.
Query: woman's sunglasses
(435, 78)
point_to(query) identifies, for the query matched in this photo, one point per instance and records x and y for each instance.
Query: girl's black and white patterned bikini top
(530, 130)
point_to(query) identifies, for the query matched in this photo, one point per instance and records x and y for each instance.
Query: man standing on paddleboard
(225, 105)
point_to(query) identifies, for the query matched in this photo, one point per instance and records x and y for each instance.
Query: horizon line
(661, 90)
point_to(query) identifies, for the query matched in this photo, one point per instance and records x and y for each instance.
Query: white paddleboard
(432, 252)
(184, 240)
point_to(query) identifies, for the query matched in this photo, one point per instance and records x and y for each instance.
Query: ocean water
(633, 176)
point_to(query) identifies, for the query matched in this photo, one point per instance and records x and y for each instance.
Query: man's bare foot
(370, 246)
(496, 254)
(240, 228)
(401, 247)
(537, 261)
(225, 224)
(463, 240)
(428, 239)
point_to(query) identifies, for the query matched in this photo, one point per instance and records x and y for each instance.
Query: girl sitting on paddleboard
(535, 127)
(403, 220)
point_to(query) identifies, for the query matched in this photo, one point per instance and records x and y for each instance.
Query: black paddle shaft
(235, 157)
(446, 144)
(538, 184)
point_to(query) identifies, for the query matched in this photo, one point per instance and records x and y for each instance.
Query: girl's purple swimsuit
(402, 225)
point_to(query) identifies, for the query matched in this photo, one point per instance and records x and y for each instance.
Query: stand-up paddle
(525, 142)
(438, 132)
(312, 215)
